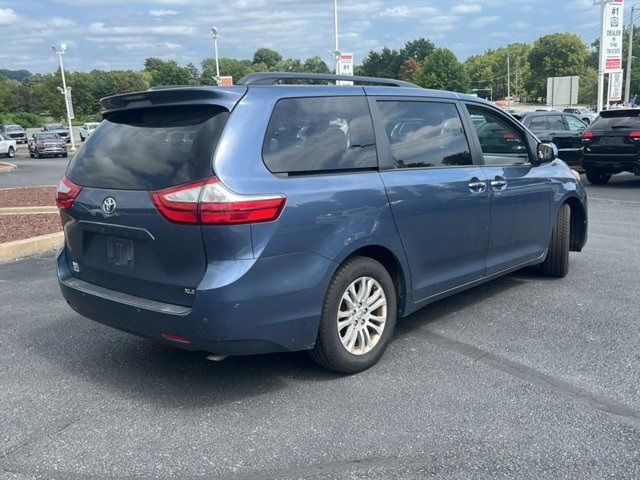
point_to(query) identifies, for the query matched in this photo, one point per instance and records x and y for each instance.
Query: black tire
(557, 262)
(36, 154)
(587, 121)
(81, 138)
(65, 155)
(329, 351)
(597, 178)
(11, 152)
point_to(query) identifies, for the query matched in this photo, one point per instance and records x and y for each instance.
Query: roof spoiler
(171, 96)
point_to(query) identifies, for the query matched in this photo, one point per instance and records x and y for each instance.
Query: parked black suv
(611, 144)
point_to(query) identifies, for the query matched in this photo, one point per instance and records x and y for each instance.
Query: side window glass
(555, 123)
(538, 123)
(501, 143)
(425, 134)
(575, 124)
(320, 134)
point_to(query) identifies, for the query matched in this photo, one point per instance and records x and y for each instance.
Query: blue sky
(120, 34)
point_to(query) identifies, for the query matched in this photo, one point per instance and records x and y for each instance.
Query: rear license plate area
(120, 252)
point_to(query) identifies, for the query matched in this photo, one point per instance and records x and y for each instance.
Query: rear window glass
(320, 134)
(150, 149)
(619, 122)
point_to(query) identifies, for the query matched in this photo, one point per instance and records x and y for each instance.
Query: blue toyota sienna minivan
(270, 216)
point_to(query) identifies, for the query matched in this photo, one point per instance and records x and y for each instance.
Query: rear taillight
(588, 135)
(634, 135)
(209, 202)
(66, 193)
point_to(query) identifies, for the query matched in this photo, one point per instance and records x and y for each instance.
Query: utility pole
(66, 92)
(214, 34)
(336, 51)
(627, 90)
(508, 81)
(603, 5)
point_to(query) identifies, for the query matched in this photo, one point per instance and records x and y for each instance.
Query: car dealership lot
(524, 377)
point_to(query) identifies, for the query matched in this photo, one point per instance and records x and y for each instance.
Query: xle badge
(190, 291)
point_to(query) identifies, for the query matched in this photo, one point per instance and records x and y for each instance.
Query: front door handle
(476, 186)
(499, 183)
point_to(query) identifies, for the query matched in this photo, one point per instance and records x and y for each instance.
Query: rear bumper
(611, 163)
(242, 307)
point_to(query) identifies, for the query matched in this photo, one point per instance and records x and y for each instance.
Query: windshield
(55, 126)
(47, 136)
(11, 128)
(91, 126)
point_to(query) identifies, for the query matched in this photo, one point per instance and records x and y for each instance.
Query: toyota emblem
(109, 205)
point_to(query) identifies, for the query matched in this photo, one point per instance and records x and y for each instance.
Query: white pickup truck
(87, 129)
(7, 147)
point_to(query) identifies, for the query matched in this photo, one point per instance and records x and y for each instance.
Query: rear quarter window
(320, 134)
(150, 149)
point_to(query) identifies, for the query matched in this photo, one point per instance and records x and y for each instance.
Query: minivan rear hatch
(115, 235)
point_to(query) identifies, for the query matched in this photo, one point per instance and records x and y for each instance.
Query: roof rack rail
(272, 78)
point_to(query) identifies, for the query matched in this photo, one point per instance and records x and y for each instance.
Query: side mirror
(547, 152)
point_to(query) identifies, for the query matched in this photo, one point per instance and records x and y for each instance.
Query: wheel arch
(578, 236)
(392, 264)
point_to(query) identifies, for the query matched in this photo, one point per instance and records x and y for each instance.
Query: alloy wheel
(362, 315)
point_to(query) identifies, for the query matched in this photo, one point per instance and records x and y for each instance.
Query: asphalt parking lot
(524, 377)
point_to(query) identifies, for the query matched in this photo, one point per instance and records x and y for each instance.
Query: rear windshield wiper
(621, 127)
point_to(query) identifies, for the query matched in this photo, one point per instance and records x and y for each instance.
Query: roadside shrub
(26, 120)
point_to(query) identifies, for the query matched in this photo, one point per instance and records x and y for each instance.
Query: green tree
(315, 65)
(166, 72)
(443, 71)
(267, 56)
(418, 49)
(228, 67)
(383, 64)
(556, 55)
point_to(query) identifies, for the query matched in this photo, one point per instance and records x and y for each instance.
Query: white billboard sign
(345, 67)
(615, 86)
(562, 90)
(613, 27)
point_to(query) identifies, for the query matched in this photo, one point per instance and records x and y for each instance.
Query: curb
(8, 167)
(31, 246)
(28, 210)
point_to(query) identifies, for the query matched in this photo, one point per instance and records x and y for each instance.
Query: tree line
(26, 98)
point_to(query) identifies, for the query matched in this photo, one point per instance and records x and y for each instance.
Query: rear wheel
(557, 262)
(598, 178)
(358, 317)
(36, 154)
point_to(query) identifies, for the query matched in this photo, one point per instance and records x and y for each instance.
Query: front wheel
(11, 153)
(597, 178)
(358, 317)
(557, 262)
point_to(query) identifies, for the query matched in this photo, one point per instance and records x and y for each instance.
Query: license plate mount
(120, 252)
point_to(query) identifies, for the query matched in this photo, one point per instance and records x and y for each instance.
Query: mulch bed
(27, 197)
(18, 227)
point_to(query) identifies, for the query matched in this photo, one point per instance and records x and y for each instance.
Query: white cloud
(59, 22)
(467, 8)
(7, 16)
(162, 13)
(484, 21)
(401, 11)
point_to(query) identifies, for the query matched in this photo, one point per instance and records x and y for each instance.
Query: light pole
(214, 34)
(66, 92)
(336, 50)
